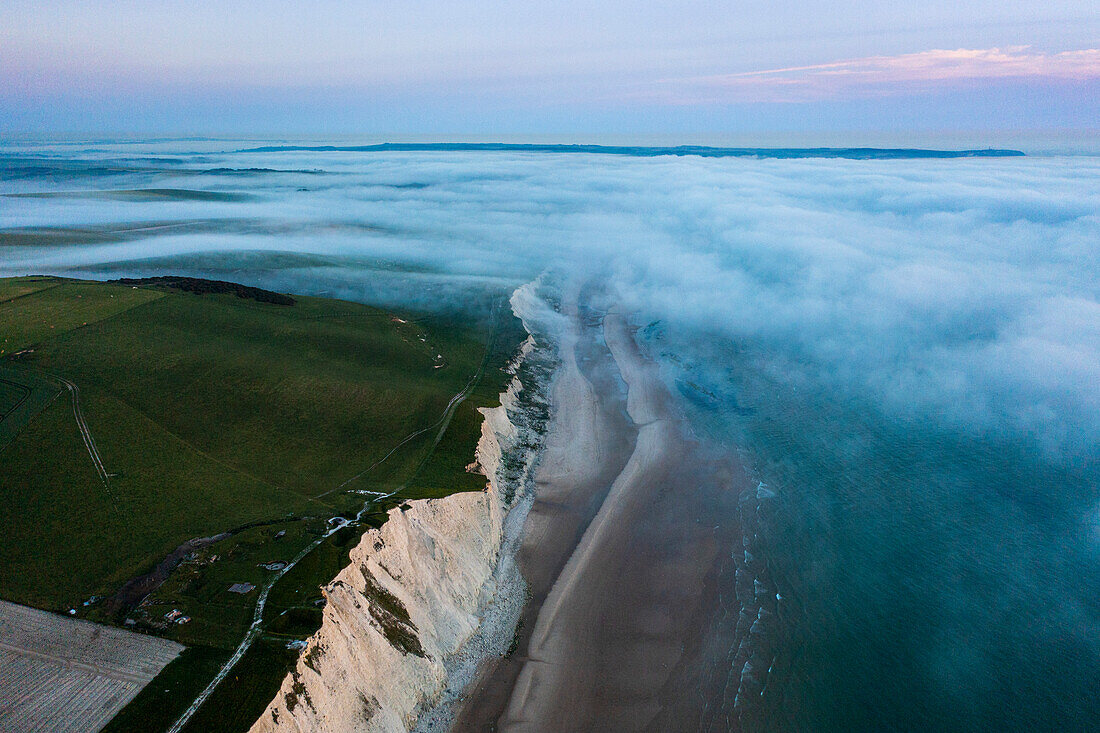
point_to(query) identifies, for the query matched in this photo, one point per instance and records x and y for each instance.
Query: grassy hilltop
(218, 414)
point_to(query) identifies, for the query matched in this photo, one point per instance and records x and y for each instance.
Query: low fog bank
(959, 291)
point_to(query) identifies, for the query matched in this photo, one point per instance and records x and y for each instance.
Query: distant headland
(648, 152)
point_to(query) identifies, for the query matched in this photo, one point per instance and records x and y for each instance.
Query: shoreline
(549, 690)
(500, 613)
(628, 550)
(585, 445)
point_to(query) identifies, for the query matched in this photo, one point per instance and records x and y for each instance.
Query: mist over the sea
(906, 352)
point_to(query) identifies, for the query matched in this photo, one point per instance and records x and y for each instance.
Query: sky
(485, 68)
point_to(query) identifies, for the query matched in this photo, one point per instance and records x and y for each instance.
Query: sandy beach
(621, 552)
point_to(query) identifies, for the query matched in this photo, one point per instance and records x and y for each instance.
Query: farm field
(66, 675)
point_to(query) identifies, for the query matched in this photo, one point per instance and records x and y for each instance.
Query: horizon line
(855, 153)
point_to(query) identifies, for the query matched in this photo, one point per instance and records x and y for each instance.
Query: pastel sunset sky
(493, 67)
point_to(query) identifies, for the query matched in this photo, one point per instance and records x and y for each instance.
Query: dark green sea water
(926, 579)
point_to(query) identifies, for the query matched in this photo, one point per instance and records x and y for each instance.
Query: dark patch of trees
(201, 287)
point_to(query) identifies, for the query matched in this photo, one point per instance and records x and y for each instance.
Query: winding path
(85, 433)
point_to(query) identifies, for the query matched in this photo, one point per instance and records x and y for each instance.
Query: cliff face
(411, 597)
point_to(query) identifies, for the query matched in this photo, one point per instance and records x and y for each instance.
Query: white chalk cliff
(412, 596)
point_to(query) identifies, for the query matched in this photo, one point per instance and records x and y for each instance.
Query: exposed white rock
(415, 592)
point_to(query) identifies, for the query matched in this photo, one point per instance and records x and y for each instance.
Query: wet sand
(625, 553)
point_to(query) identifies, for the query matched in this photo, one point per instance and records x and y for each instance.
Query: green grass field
(214, 414)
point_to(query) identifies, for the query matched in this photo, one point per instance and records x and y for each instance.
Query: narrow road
(255, 629)
(86, 435)
(445, 419)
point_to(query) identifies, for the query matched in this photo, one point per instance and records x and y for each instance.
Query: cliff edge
(415, 592)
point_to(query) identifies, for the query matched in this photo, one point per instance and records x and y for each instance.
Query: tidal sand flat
(621, 550)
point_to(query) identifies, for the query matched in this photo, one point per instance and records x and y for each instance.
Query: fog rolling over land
(903, 353)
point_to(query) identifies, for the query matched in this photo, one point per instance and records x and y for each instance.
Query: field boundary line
(95, 669)
(27, 391)
(5, 301)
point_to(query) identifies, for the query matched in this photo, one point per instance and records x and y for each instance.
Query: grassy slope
(47, 312)
(211, 412)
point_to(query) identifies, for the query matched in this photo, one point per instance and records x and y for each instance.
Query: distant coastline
(647, 152)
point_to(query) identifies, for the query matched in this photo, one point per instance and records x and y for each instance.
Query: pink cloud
(876, 75)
